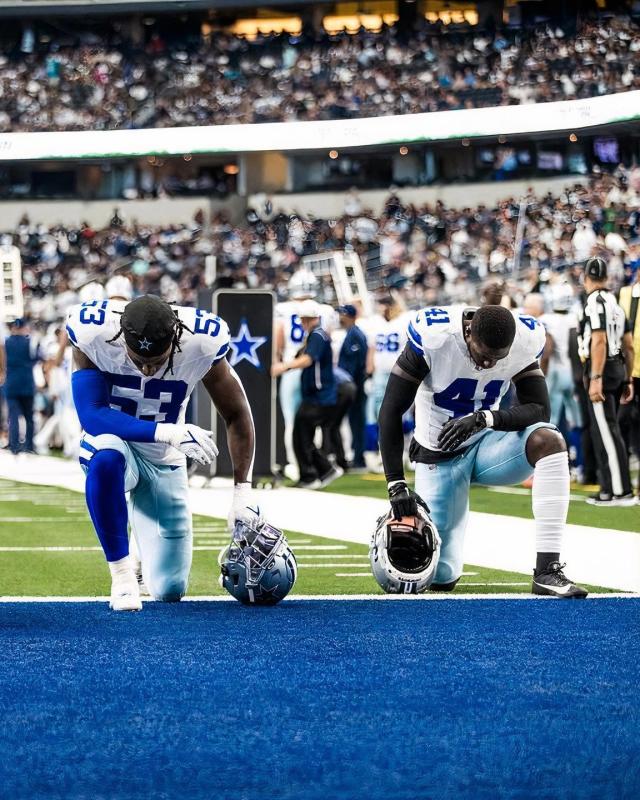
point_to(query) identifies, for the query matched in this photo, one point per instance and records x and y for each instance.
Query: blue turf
(486, 699)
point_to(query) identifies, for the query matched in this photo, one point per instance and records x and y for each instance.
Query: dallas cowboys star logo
(244, 346)
(145, 344)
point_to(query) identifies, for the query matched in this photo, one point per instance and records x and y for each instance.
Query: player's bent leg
(445, 489)
(161, 522)
(509, 457)
(111, 471)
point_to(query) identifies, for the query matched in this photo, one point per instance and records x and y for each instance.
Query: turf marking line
(400, 598)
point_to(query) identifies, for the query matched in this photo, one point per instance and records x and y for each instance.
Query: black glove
(457, 431)
(404, 502)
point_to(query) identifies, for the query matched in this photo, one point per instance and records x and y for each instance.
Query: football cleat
(125, 592)
(552, 581)
(613, 500)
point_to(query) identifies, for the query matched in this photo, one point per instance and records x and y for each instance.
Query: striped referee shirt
(602, 313)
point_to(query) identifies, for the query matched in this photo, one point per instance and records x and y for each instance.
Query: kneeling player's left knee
(544, 442)
(168, 590)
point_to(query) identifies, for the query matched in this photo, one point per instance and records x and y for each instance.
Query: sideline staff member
(608, 373)
(319, 398)
(629, 417)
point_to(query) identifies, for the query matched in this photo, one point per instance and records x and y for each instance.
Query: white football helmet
(91, 292)
(562, 296)
(302, 283)
(119, 286)
(404, 553)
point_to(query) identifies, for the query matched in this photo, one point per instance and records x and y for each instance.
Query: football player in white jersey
(386, 336)
(134, 372)
(456, 367)
(559, 323)
(289, 336)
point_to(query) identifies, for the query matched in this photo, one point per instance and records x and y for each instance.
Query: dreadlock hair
(178, 329)
(494, 326)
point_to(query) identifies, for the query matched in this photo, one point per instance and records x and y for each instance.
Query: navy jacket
(353, 355)
(20, 361)
(318, 381)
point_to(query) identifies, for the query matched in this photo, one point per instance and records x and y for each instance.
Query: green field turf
(509, 500)
(48, 517)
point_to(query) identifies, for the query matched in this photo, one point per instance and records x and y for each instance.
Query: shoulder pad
(90, 322)
(430, 328)
(530, 337)
(210, 333)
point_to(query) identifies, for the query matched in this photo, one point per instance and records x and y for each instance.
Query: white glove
(194, 442)
(242, 507)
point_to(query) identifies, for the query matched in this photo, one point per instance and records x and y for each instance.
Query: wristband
(488, 419)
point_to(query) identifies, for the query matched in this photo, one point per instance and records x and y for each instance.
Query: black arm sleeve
(533, 406)
(398, 398)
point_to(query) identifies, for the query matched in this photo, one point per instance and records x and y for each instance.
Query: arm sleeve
(91, 398)
(398, 398)
(533, 406)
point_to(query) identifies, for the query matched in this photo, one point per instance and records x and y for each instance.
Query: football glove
(242, 507)
(194, 442)
(404, 501)
(457, 431)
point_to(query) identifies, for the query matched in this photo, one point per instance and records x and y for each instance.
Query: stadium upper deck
(124, 74)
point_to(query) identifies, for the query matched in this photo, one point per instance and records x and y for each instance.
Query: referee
(608, 382)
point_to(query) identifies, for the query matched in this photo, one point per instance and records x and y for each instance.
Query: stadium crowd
(84, 81)
(431, 254)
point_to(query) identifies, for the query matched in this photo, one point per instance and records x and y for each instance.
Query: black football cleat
(552, 581)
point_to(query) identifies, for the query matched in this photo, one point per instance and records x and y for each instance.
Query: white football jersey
(388, 338)
(455, 386)
(287, 316)
(156, 398)
(558, 327)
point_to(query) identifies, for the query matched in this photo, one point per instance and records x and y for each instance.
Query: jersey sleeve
(88, 324)
(428, 330)
(595, 311)
(530, 341)
(211, 333)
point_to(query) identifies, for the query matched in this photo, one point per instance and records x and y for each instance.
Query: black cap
(148, 325)
(596, 269)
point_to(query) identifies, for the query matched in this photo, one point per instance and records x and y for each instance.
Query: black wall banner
(249, 315)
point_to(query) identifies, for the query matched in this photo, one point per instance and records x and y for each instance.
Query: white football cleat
(125, 592)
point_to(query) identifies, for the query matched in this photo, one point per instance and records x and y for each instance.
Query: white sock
(121, 567)
(550, 501)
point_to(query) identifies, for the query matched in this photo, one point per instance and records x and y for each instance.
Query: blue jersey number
(206, 323)
(530, 322)
(458, 397)
(169, 408)
(93, 313)
(389, 343)
(297, 331)
(435, 315)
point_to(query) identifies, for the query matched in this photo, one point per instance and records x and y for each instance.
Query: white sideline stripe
(62, 549)
(522, 491)
(57, 520)
(400, 598)
(492, 540)
(609, 446)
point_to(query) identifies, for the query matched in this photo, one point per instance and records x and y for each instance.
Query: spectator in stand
(104, 80)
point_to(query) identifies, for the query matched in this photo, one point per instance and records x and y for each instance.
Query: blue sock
(371, 436)
(107, 504)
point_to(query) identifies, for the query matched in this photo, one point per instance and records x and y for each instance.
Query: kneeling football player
(456, 367)
(134, 372)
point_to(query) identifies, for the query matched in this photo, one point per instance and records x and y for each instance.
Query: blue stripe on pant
(159, 515)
